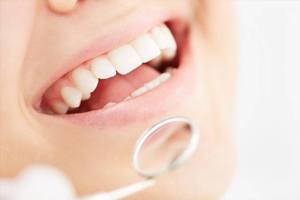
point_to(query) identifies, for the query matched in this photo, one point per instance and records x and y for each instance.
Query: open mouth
(121, 74)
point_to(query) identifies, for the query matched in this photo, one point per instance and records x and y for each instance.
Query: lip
(148, 106)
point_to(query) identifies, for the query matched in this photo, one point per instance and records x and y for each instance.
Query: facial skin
(34, 44)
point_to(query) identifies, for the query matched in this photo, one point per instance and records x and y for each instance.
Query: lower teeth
(152, 84)
(148, 86)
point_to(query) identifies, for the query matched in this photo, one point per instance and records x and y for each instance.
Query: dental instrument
(177, 161)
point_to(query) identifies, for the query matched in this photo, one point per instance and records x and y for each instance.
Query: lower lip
(154, 104)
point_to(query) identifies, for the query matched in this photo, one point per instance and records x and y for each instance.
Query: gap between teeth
(156, 46)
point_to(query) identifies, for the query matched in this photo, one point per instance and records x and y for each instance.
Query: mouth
(147, 76)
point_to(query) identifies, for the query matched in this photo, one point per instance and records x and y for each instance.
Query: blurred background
(268, 129)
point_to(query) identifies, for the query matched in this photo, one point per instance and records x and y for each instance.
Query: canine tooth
(71, 96)
(146, 47)
(59, 107)
(139, 92)
(84, 80)
(102, 68)
(125, 59)
(86, 96)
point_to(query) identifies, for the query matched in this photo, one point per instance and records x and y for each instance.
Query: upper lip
(143, 107)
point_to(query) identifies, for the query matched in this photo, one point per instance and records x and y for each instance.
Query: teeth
(156, 62)
(160, 37)
(84, 80)
(71, 96)
(139, 92)
(151, 85)
(86, 96)
(102, 68)
(146, 47)
(168, 54)
(163, 37)
(169, 38)
(59, 107)
(154, 47)
(125, 59)
(166, 41)
(171, 70)
(110, 104)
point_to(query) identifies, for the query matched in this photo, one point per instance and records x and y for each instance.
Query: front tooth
(160, 37)
(102, 68)
(125, 59)
(71, 96)
(84, 80)
(169, 37)
(163, 37)
(146, 47)
(59, 107)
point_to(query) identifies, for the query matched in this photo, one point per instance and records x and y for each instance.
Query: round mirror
(165, 146)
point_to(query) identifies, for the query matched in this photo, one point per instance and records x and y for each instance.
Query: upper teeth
(157, 43)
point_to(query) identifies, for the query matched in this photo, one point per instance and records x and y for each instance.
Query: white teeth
(71, 96)
(163, 37)
(169, 54)
(164, 77)
(166, 41)
(102, 68)
(146, 47)
(171, 70)
(154, 47)
(59, 107)
(160, 37)
(156, 62)
(84, 80)
(151, 85)
(86, 96)
(139, 92)
(125, 59)
(169, 38)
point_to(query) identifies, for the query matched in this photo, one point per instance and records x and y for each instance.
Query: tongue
(116, 89)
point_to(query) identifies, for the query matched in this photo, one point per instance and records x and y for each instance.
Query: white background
(268, 131)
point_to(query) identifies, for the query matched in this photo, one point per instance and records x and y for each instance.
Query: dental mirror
(165, 146)
(160, 149)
